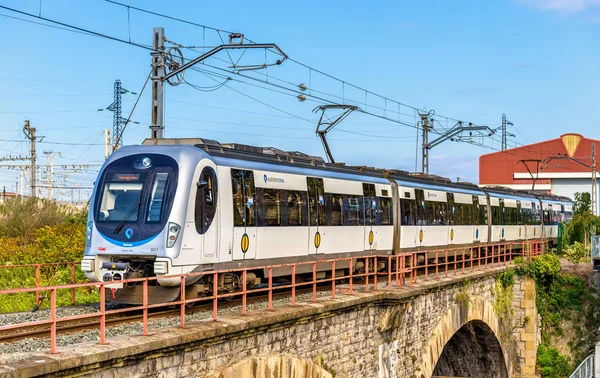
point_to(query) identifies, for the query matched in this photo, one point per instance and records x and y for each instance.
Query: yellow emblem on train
(245, 243)
(421, 236)
(452, 234)
(371, 237)
(317, 239)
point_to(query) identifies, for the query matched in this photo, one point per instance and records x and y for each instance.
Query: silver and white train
(175, 206)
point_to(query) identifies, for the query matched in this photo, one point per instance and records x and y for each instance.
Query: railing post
(53, 320)
(463, 259)
(293, 285)
(397, 270)
(102, 314)
(389, 272)
(73, 282)
(375, 271)
(182, 305)
(437, 263)
(244, 294)
(215, 294)
(145, 310)
(446, 260)
(426, 266)
(455, 258)
(37, 283)
(413, 268)
(314, 293)
(270, 292)
(367, 274)
(333, 279)
(351, 274)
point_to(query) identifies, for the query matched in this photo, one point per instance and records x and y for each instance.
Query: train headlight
(88, 234)
(87, 265)
(172, 234)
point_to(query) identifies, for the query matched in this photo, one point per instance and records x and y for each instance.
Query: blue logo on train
(129, 233)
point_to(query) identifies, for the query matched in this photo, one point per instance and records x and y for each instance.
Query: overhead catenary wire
(270, 79)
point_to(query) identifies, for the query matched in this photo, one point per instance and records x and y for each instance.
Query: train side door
(205, 213)
(316, 204)
(369, 211)
(244, 214)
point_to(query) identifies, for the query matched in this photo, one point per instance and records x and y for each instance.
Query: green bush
(576, 253)
(552, 364)
(35, 232)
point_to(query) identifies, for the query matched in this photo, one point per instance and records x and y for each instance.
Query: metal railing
(38, 273)
(585, 369)
(399, 270)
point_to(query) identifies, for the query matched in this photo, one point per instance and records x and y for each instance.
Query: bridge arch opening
(473, 351)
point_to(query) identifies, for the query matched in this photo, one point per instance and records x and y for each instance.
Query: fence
(585, 369)
(399, 270)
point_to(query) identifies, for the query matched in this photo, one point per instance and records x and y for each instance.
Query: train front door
(244, 214)
(316, 204)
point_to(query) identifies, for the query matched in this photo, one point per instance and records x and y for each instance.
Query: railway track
(39, 331)
(78, 325)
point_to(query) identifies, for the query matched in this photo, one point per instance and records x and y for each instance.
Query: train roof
(272, 155)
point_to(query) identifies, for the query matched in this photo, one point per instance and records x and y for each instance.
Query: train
(188, 205)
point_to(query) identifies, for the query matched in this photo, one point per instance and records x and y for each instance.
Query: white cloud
(568, 6)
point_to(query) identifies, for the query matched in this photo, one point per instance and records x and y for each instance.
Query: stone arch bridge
(468, 325)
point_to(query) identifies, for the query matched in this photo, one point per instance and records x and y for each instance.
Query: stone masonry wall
(352, 336)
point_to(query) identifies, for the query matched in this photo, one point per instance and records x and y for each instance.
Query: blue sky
(535, 60)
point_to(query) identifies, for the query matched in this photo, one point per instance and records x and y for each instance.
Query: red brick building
(553, 162)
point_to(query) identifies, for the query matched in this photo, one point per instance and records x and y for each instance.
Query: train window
(269, 211)
(156, 199)
(244, 208)
(441, 213)
(370, 205)
(468, 214)
(369, 210)
(206, 199)
(496, 218)
(430, 208)
(337, 214)
(386, 211)
(352, 210)
(420, 207)
(407, 212)
(458, 213)
(119, 199)
(316, 201)
(297, 208)
(483, 214)
(451, 208)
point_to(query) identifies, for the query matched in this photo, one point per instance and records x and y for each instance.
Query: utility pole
(30, 134)
(169, 65)
(503, 132)
(594, 188)
(107, 144)
(116, 108)
(427, 126)
(158, 63)
(49, 173)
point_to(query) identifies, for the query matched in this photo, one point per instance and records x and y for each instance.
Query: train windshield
(121, 197)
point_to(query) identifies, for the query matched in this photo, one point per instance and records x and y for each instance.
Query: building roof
(552, 155)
